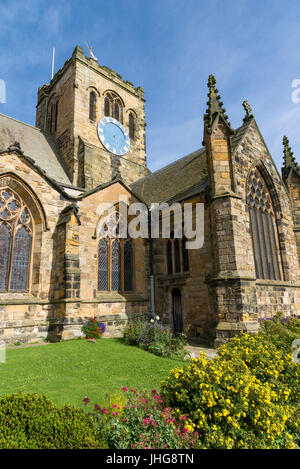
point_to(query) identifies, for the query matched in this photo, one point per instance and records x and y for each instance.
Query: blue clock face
(113, 136)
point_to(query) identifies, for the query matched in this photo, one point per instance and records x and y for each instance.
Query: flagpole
(53, 56)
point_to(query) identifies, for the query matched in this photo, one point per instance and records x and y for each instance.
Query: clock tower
(97, 121)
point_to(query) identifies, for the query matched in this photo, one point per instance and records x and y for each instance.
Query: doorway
(177, 311)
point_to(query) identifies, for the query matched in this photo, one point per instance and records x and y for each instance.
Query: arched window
(92, 110)
(131, 126)
(52, 114)
(263, 229)
(107, 106)
(116, 110)
(15, 242)
(113, 106)
(115, 257)
(103, 265)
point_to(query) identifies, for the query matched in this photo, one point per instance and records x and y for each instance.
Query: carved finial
(289, 160)
(248, 110)
(214, 106)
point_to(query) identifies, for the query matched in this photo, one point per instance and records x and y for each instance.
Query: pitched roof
(178, 177)
(183, 178)
(35, 144)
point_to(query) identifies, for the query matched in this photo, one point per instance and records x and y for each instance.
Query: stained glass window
(115, 256)
(103, 265)
(21, 253)
(15, 242)
(263, 229)
(5, 238)
(115, 266)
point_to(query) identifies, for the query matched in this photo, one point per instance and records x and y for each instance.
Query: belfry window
(131, 126)
(115, 258)
(92, 108)
(113, 106)
(52, 114)
(263, 229)
(15, 242)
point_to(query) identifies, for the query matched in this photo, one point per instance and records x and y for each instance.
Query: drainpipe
(151, 268)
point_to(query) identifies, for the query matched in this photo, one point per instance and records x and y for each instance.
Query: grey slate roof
(177, 177)
(183, 178)
(37, 145)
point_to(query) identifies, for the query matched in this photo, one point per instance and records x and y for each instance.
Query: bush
(281, 332)
(143, 423)
(155, 338)
(93, 329)
(31, 421)
(245, 398)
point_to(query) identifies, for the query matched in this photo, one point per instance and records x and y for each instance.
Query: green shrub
(245, 398)
(281, 332)
(31, 421)
(155, 338)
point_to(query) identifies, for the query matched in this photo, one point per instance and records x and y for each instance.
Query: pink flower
(115, 406)
(146, 421)
(154, 391)
(183, 417)
(156, 397)
(133, 390)
(124, 389)
(115, 413)
(97, 407)
(104, 411)
(133, 446)
(86, 400)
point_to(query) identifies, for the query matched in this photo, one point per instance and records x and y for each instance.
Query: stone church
(88, 147)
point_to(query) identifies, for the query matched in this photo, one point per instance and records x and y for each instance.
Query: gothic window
(52, 114)
(263, 229)
(115, 258)
(177, 256)
(15, 242)
(116, 111)
(92, 110)
(107, 106)
(103, 265)
(113, 106)
(131, 126)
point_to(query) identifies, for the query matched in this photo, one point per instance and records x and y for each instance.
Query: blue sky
(169, 47)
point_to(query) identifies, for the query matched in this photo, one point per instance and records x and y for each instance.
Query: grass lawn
(68, 371)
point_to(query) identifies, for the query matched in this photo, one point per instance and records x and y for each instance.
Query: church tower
(97, 121)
